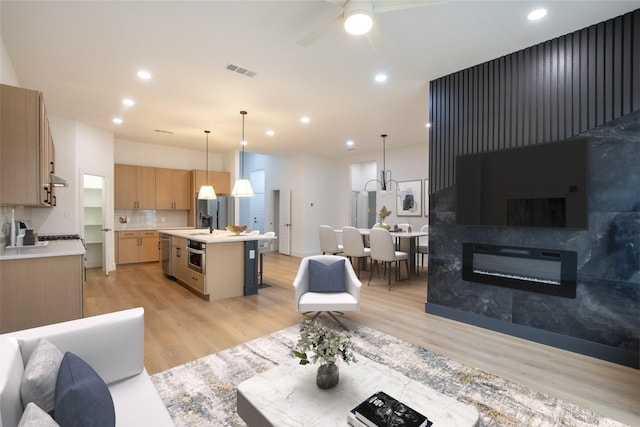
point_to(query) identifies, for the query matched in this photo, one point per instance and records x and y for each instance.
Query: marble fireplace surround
(603, 320)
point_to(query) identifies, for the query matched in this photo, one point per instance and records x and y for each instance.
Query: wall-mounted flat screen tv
(540, 185)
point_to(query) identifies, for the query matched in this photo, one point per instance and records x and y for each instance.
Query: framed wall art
(409, 198)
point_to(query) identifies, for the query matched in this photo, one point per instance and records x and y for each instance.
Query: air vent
(240, 70)
(168, 132)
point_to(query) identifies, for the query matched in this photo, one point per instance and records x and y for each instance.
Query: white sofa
(112, 344)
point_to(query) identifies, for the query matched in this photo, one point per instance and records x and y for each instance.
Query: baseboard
(576, 345)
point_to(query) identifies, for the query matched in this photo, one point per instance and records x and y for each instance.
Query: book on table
(382, 410)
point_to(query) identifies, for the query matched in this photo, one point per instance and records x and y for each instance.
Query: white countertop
(122, 227)
(52, 248)
(218, 236)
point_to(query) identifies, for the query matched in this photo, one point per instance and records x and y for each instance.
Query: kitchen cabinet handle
(55, 201)
(178, 252)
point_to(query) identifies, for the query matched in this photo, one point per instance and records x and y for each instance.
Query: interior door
(284, 229)
(97, 224)
(256, 208)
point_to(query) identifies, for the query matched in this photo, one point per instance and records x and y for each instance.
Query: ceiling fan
(357, 16)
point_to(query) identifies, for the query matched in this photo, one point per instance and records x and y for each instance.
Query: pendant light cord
(243, 142)
(206, 178)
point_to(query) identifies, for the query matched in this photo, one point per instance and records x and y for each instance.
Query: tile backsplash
(149, 218)
(21, 214)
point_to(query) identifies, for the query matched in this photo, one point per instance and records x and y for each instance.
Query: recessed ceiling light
(428, 125)
(270, 132)
(534, 15)
(350, 143)
(305, 119)
(144, 75)
(117, 120)
(381, 78)
(128, 102)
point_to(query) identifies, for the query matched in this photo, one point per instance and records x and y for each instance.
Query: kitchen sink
(201, 234)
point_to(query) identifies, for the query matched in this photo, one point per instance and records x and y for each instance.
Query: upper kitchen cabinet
(135, 187)
(221, 181)
(26, 149)
(173, 189)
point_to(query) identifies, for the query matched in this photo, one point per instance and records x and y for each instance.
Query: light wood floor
(180, 327)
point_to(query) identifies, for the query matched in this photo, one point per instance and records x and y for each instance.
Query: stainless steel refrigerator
(217, 210)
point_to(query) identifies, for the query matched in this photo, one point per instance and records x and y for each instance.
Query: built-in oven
(196, 258)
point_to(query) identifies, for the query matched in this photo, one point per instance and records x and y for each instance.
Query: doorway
(94, 209)
(282, 220)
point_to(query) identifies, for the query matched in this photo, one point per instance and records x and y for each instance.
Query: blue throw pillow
(326, 278)
(82, 398)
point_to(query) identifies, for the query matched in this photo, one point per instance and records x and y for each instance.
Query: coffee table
(287, 395)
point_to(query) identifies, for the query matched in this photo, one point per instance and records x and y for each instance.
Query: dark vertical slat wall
(548, 92)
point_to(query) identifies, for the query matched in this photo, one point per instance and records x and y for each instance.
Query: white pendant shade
(207, 193)
(242, 188)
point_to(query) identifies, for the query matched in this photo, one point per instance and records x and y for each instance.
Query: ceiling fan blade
(381, 6)
(375, 38)
(320, 32)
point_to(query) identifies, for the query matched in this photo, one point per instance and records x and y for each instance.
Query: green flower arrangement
(327, 345)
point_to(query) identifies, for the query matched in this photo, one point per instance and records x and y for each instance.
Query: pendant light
(206, 191)
(385, 180)
(242, 186)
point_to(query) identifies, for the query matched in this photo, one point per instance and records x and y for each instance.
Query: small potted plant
(328, 347)
(384, 212)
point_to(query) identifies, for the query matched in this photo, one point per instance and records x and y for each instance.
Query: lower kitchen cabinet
(40, 291)
(137, 246)
(180, 266)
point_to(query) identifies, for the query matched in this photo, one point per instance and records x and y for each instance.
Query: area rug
(203, 392)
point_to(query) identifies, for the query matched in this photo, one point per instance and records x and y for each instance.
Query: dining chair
(354, 247)
(404, 226)
(254, 232)
(329, 241)
(423, 246)
(264, 246)
(383, 250)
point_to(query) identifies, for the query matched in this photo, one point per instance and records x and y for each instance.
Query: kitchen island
(214, 265)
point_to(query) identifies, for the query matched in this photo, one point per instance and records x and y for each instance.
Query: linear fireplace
(529, 269)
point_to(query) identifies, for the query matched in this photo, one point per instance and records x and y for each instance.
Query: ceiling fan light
(358, 22)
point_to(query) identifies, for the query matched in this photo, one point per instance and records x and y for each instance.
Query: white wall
(326, 183)
(143, 154)
(95, 156)
(407, 163)
(8, 76)
(7, 72)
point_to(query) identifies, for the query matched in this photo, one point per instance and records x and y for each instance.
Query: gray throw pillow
(82, 397)
(33, 416)
(39, 378)
(326, 278)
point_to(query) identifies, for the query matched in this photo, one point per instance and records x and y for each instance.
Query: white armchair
(307, 301)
